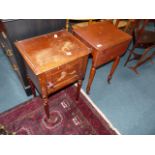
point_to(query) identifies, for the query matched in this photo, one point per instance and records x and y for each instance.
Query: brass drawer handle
(73, 72)
(63, 75)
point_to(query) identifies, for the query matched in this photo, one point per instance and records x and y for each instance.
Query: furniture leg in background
(147, 55)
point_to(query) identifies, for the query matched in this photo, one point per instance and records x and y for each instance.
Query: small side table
(53, 61)
(107, 43)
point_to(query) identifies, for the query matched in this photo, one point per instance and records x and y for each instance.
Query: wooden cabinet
(53, 61)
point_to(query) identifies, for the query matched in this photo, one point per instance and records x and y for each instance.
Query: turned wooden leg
(46, 107)
(114, 66)
(144, 58)
(91, 77)
(128, 59)
(32, 86)
(78, 89)
(132, 52)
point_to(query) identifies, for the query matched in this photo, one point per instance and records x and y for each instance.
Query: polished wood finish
(54, 61)
(106, 42)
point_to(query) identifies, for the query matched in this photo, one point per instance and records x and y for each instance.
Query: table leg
(128, 59)
(46, 106)
(91, 77)
(142, 60)
(114, 66)
(44, 95)
(32, 86)
(79, 84)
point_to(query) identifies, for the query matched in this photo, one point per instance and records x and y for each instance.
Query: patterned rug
(73, 117)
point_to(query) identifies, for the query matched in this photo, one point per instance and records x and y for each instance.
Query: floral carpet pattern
(73, 117)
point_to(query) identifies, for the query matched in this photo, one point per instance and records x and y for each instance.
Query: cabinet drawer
(70, 71)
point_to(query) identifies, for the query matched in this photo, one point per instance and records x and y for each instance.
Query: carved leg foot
(52, 118)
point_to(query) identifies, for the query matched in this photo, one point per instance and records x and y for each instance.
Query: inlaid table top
(102, 35)
(51, 50)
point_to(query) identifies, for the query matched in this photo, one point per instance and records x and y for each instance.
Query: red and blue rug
(74, 117)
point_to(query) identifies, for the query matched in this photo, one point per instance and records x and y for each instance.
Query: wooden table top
(51, 50)
(102, 35)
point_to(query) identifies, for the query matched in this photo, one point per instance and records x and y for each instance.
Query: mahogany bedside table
(106, 42)
(53, 61)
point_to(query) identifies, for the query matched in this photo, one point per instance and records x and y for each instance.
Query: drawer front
(64, 75)
(110, 54)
